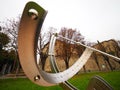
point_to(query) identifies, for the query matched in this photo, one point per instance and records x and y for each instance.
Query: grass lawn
(80, 81)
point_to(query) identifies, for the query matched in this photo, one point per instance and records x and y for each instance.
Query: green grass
(80, 81)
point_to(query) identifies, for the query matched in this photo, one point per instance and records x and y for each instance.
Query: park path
(13, 76)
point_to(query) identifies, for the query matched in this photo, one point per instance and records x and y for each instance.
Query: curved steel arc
(30, 25)
(53, 61)
(70, 72)
(54, 66)
(27, 42)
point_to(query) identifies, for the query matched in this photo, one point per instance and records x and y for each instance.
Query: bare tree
(67, 46)
(10, 27)
(80, 49)
(43, 45)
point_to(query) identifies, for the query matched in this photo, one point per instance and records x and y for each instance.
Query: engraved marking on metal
(54, 65)
(70, 72)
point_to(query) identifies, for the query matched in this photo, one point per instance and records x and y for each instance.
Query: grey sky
(96, 19)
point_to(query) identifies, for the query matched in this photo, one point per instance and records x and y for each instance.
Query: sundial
(30, 26)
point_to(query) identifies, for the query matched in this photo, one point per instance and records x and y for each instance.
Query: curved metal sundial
(30, 25)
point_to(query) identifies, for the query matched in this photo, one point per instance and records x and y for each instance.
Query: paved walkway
(12, 76)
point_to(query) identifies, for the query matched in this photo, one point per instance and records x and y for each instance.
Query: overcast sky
(95, 19)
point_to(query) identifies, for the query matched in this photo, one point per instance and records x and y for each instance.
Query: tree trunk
(14, 65)
(84, 68)
(3, 69)
(15, 61)
(9, 69)
(43, 57)
(96, 60)
(107, 59)
(67, 64)
(43, 63)
(17, 69)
